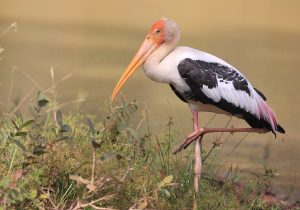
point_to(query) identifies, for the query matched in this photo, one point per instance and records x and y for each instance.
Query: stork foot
(190, 138)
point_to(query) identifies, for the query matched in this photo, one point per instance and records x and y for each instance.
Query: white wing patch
(238, 98)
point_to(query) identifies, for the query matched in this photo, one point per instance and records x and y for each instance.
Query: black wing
(223, 87)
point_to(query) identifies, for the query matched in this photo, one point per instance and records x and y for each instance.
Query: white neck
(152, 66)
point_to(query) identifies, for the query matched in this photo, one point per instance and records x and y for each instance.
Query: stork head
(163, 31)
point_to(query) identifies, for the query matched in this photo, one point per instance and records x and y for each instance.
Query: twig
(100, 208)
(31, 79)
(57, 83)
(22, 101)
(54, 94)
(10, 87)
(217, 142)
(13, 25)
(139, 125)
(209, 152)
(238, 144)
(210, 120)
(108, 197)
(124, 177)
(12, 161)
(93, 167)
(67, 103)
(91, 204)
(51, 201)
(126, 173)
(73, 205)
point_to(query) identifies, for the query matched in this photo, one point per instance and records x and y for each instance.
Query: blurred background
(93, 42)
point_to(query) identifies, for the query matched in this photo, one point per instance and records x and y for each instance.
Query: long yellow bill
(148, 46)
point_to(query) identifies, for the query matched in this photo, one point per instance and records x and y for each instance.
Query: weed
(75, 161)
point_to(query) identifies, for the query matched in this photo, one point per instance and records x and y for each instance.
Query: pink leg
(198, 161)
(195, 121)
(202, 131)
(197, 136)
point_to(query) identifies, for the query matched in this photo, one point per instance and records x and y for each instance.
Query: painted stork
(205, 82)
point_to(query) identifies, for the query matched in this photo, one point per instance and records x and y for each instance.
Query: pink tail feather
(266, 113)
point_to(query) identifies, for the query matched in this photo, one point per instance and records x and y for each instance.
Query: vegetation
(50, 160)
(55, 160)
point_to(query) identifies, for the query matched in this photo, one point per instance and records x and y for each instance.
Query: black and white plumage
(205, 82)
(227, 89)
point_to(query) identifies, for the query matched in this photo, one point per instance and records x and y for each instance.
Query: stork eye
(157, 31)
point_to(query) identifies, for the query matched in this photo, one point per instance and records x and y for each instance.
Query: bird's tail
(267, 114)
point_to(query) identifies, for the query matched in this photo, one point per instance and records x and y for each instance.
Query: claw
(189, 139)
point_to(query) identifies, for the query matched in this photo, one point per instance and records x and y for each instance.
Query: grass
(51, 160)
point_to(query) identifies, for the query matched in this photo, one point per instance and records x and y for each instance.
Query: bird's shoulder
(183, 52)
